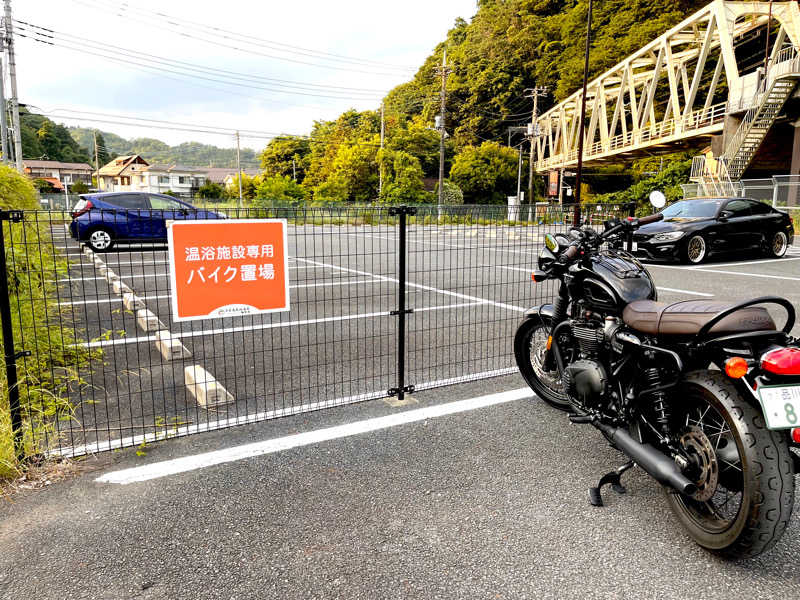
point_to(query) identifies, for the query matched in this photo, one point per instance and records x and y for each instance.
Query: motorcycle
(702, 395)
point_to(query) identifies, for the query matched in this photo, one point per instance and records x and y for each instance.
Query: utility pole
(519, 175)
(239, 168)
(576, 220)
(294, 169)
(442, 71)
(534, 93)
(12, 74)
(96, 162)
(380, 164)
(3, 121)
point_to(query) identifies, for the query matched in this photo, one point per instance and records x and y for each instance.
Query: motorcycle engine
(585, 379)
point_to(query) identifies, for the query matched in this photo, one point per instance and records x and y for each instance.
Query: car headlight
(668, 236)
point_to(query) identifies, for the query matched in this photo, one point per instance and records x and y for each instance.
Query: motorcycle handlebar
(571, 252)
(651, 219)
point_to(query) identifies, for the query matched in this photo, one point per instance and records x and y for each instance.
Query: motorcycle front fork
(559, 314)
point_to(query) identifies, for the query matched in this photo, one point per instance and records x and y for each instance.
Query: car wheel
(778, 245)
(695, 250)
(100, 240)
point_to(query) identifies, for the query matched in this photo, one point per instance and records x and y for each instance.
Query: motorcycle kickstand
(613, 477)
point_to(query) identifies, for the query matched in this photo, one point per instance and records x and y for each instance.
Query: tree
(17, 192)
(79, 187)
(103, 156)
(352, 174)
(42, 138)
(485, 174)
(248, 186)
(416, 138)
(281, 189)
(402, 178)
(668, 181)
(288, 156)
(452, 193)
(211, 190)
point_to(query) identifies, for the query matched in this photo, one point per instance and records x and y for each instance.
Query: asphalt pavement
(490, 503)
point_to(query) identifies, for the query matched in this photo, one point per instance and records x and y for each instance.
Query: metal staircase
(744, 144)
(722, 176)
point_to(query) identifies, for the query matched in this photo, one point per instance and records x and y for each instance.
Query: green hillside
(43, 139)
(153, 150)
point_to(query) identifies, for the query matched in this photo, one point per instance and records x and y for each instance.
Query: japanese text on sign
(227, 268)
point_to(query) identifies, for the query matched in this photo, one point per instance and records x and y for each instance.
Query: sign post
(228, 268)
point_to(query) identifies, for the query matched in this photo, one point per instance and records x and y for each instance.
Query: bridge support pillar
(793, 191)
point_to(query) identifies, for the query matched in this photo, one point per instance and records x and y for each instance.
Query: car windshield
(692, 208)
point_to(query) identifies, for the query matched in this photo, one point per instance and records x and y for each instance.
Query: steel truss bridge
(730, 60)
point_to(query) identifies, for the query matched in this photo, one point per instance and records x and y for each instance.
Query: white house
(180, 179)
(135, 174)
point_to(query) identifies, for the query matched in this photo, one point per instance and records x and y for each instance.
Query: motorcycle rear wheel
(746, 486)
(530, 343)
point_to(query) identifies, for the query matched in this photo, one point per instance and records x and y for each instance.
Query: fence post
(402, 213)
(11, 355)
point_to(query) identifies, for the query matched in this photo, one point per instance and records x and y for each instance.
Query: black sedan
(693, 230)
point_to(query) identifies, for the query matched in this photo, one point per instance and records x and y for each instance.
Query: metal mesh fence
(382, 301)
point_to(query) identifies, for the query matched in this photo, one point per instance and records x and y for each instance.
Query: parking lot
(474, 490)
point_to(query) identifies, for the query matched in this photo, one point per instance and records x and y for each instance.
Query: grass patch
(40, 326)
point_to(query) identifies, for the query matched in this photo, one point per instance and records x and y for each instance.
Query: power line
(36, 37)
(176, 21)
(118, 11)
(52, 34)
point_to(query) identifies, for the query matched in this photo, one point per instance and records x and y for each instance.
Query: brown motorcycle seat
(689, 316)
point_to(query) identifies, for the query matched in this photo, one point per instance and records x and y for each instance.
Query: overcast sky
(57, 77)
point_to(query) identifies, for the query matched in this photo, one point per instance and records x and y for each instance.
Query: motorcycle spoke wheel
(744, 472)
(530, 344)
(716, 509)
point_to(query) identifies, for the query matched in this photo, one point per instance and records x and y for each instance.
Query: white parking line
(305, 285)
(419, 286)
(666, 289)
(261, 326)
(137, 276)
(445, 244)
(739, 264)
(762, 275)
(208, 459)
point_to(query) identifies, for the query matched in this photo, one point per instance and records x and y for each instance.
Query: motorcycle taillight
(782, 361)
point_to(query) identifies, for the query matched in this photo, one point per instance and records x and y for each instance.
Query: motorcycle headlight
(668, 236)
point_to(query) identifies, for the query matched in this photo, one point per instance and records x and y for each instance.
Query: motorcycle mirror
(551, 243)
(658, 199)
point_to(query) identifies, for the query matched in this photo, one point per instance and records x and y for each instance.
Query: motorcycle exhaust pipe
(655, 463)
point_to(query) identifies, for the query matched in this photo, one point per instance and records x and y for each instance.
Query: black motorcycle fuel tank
(614, 281)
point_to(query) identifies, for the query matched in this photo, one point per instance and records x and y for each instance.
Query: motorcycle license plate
(781, 405)
(632, 247)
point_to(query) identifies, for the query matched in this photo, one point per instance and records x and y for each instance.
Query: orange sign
(228, 268)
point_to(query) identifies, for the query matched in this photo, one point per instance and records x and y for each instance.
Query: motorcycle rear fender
(544, 310)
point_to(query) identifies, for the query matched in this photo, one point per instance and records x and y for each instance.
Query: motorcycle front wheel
(743, 471)
(530, 344)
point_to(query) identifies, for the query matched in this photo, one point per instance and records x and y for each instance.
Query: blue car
(102, 220)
